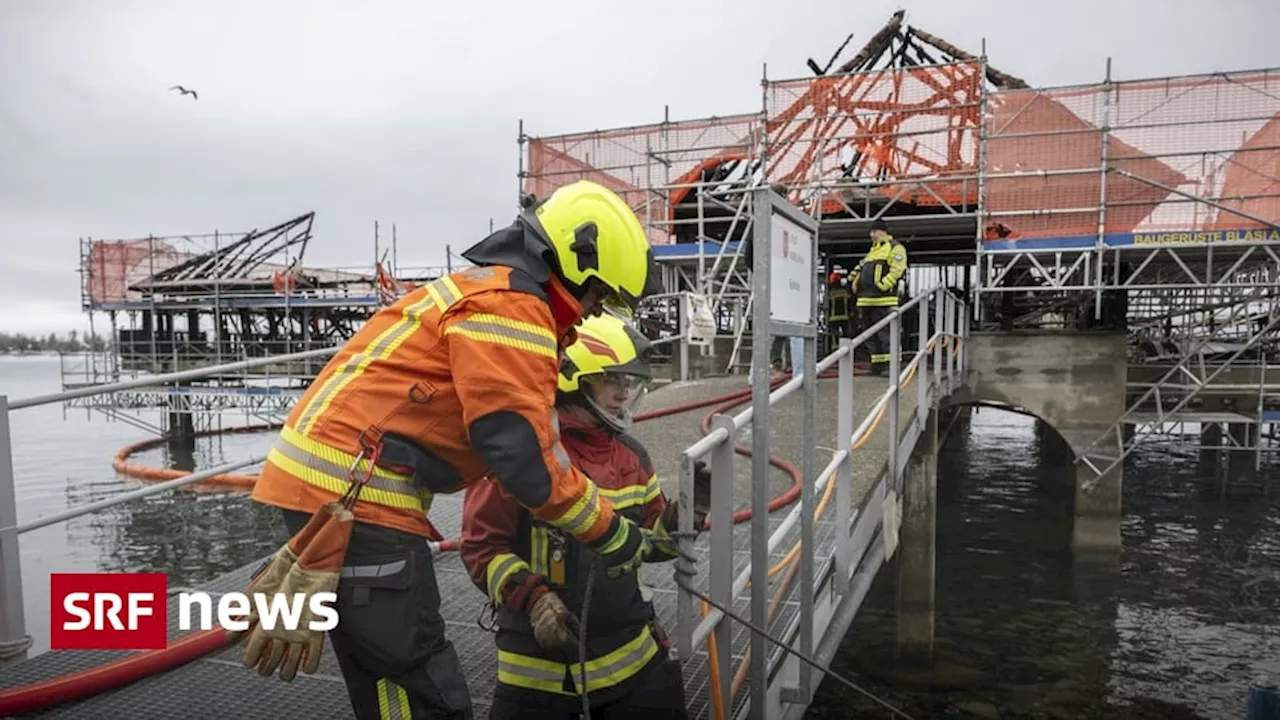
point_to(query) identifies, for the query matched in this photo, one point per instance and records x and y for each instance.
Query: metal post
(808, 548)
(519, 165)
(1262, 399)
(702, 234)
(13, 630)
(684, 600)
(983, 103)
(1102, 193)
(722, 570)
(940, 350)
(895, 369)
(761, 339)
(922, 363)
(953, 307)
(844, 473)
(683, 315)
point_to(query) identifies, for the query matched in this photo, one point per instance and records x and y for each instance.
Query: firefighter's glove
(624, 548)
(554, 627)
(316, 571)
(267, 581)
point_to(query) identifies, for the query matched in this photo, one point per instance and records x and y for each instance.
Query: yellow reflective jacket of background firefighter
(876, 276)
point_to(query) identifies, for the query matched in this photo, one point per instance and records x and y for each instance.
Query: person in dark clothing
(535, 575)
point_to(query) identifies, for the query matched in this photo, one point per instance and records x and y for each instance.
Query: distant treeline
(74, 341)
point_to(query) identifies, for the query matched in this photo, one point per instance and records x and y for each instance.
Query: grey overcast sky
(406, 111)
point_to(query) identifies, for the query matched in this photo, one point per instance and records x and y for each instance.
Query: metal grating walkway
(218, 686)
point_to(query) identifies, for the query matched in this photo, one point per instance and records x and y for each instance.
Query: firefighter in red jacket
(535, 576)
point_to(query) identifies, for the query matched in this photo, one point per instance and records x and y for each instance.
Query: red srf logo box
(108, 611)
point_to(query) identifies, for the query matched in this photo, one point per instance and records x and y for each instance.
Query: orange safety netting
(111, 266)
(658, 158)
(916, 135)
(1211, 138)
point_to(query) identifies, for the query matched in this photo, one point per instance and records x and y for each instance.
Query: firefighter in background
(453, 382)
(840, 314)
(533, 573)
(875, 280)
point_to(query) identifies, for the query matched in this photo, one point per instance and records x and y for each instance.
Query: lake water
(1175, 629)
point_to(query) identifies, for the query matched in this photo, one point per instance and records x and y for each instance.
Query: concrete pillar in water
(1210, 441)
(1097, 501)
(1242, 476)
(917, 547)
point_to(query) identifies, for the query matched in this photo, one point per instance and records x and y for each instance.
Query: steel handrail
(167, 378)
(720, 436)
(714, 616)
(132, 495)
(716, 437)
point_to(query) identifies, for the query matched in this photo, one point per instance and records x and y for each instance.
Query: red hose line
(118, 673)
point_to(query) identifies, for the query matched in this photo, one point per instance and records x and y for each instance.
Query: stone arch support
(1075, 382)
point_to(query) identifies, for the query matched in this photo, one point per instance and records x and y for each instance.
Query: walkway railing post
(922, 363)
(807, 503)
(13, 629)
(683, 315)
(844, 473)
(684, 600)
(895, 399)
(952, 324)
(722, 570)
(940, 350)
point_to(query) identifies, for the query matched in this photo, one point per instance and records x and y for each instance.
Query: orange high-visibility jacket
(456, 380)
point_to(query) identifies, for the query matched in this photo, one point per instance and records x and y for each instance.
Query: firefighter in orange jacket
(533, 573)
(453, 382)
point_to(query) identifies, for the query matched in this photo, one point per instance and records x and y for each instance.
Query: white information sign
(702, 323)
(790, 271)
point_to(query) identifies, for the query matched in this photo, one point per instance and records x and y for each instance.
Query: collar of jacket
(517, 246)
(590, 432)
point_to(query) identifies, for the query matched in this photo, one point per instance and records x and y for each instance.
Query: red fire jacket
(507, 552)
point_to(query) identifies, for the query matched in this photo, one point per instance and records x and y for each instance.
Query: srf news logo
(130, 611)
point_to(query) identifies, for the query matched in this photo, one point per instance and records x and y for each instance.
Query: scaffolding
(182, 302)
(1147, 206)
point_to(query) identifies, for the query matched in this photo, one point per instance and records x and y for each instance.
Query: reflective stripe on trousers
(602, 672)
(327, 467)
(393, 701)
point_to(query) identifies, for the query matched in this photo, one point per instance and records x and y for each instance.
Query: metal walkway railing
(846, 566)
(14, 640)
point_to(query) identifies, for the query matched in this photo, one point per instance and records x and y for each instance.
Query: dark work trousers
(878, 344)
(390, 640)
(658, 695)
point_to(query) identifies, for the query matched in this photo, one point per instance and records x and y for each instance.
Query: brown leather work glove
(316, 570)
(554, 627)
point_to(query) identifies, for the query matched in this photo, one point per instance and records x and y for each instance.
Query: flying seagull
(185, 91)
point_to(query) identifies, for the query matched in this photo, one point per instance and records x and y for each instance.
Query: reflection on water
(63, 460)
(1176, 627)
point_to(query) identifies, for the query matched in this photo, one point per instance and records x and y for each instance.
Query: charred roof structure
(1105, 204)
